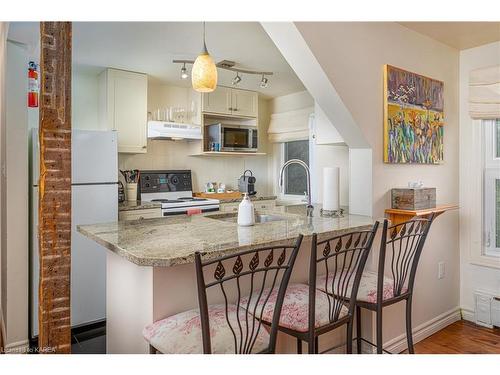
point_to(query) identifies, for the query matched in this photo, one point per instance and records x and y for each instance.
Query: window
(491, 223)
(295, 176)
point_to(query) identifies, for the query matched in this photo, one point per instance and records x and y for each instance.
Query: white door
(244, 103)
(90, 204)
(128, 94)
(34, 264)
(218, 101)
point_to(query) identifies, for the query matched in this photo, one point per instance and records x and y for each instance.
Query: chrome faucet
(309, 208)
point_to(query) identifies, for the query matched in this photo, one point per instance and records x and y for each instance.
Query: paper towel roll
(331, 188)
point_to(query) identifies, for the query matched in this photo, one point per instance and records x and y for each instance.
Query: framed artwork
(413, 118)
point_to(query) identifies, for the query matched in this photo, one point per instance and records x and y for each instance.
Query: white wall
(472, 276)
(328, 150)
(85, 99)
(17, 193)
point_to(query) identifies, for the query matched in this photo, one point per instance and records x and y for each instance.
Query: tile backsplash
(166, 154)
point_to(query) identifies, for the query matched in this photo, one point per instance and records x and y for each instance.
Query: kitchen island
(150, 263)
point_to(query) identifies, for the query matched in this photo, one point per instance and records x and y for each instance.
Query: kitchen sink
(264, 218)
(259, 218)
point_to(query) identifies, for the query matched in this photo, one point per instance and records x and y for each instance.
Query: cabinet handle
(229, 109)
(144, 147)
(235, 109)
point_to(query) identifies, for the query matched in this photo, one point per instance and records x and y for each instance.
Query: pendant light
(204, 72)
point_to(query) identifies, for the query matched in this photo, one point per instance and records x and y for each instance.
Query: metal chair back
(252, 275)
(401, 245)
(343, 260)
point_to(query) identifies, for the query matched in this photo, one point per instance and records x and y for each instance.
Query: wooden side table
(397, 216)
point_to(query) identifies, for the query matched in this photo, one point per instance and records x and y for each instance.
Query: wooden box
(413, 199)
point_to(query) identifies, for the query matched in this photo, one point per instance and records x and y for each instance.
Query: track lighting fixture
(264, 82)
(204, 72)
(236, 80)
(184, 73)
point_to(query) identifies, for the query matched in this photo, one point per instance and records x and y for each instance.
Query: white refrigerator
(94, 199)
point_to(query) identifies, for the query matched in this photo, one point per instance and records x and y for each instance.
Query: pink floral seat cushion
(181, 333)
(367, 291)
(295, 310)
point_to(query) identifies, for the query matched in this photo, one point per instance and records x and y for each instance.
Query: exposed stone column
(54, 212)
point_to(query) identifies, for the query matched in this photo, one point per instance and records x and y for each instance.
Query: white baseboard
(424, 330)
(19, 347)
(469, 315)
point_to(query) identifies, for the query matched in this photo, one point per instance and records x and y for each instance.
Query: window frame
(282, 194)
(491, 173)
(472, 155)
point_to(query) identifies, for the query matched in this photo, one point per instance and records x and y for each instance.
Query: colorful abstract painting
(413, 118)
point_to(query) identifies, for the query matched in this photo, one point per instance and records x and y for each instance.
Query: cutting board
(233, 195)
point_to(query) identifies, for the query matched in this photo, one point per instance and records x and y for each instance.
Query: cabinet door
(244, 103)
(149, 213)
(218, 101)
(128, 95)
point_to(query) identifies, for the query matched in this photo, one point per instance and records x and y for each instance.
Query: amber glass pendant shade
(204, 73)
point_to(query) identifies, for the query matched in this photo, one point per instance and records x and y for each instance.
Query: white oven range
(173, 189)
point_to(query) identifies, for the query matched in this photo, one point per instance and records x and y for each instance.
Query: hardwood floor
(461, 337)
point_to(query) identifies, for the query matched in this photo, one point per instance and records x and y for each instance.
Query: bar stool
(404, 243)
(227, 327)
(308, 312)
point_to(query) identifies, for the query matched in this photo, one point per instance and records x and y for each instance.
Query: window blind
(290, 126)
(484, 93)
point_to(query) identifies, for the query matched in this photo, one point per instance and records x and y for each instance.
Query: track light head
(264, 82)
(236, 80)
(184, 73)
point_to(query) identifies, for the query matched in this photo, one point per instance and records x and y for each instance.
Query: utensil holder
(132, 191)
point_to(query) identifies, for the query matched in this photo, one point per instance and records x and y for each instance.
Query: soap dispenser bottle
(246, 215)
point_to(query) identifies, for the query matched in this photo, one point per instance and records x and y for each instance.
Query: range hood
(173, 130)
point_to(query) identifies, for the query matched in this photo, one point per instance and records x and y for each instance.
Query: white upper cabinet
(218, 101)
(123, 107)
(229, 101)
(244, 103)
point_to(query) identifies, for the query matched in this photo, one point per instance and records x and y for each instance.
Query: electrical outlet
(441, 270)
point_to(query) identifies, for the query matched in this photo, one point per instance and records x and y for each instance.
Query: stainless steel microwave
(233, 137)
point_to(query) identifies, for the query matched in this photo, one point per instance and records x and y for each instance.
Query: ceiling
(150, 47)
(459, 35)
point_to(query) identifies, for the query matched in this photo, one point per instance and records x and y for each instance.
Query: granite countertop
(137, 205)
(252, 198)
(174, 240)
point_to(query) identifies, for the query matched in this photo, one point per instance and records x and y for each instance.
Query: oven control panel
(165, 181)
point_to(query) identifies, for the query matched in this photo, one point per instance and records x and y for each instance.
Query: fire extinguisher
(32, 85)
